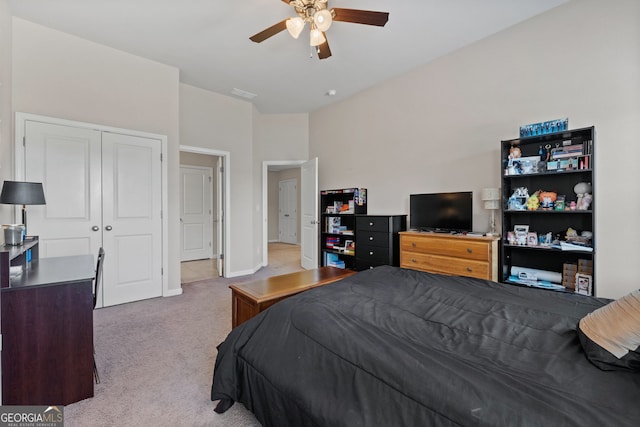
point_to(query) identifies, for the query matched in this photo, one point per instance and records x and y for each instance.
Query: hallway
(283, 258)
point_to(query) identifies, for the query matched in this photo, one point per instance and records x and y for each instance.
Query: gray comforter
(395, 347)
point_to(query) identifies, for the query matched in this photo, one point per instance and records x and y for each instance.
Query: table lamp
(22, 193)
(491, 198)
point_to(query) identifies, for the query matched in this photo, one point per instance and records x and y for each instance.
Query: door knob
(95, 228)
(108, 228)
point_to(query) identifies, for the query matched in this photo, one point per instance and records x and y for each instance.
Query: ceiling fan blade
(287, 1)
(356, 16)
(271, 31)
(323, 50)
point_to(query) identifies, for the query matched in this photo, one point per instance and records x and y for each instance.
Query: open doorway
(281, 210)
(308, 208)
(204, 232)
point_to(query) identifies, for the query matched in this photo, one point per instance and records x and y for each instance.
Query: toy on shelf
(548, 199)
(533, 202)
(517, 201)
(583, 191)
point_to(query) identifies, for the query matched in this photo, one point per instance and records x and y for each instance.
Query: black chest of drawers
(377, 241)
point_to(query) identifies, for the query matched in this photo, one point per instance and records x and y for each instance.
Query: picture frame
(584, 284)
(532, 238)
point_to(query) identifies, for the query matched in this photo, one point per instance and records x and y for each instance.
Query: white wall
(6, 148)
(439, 127)
(218, 122)
(277, 137)
(6, 153)
(64, 76)
(59, 75)
(214, 121)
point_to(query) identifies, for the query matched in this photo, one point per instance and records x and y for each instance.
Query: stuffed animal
(547, 199)
(533, 202)
(584, 201)
(583, 190)
(517, 201)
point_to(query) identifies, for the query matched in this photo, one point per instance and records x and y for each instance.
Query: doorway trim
(226, 155)
(265, 199)
(20, 171)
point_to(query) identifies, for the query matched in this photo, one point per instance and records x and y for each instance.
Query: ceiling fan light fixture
(317, 38)
(322, 19)
(295, 26)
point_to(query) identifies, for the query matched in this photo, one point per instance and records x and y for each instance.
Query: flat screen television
(441, 212)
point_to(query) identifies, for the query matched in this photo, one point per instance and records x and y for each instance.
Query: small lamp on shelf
(491, 199)
(22, 193)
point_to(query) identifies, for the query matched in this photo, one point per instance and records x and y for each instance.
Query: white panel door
(132, 224)
(196, 213)
(287, 211)
(67, 161)
(309, 208)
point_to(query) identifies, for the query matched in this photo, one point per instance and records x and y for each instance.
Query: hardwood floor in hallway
(282, 257)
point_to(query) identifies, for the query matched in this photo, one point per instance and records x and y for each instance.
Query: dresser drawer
(368, 238)
(364, 264)
(460, 248)
(373, 223)
(373, 253)
(445, 265)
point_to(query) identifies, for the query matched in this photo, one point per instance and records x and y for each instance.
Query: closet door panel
(67, 162)
(132, 226)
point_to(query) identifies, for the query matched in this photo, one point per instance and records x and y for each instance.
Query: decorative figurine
(533, 202)
(583, 191)
(547, 199)
(517, 201)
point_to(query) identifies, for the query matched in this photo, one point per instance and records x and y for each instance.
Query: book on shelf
(537, 283)
(332, 242)
(332, 260)
(568, 151)
(566, 246)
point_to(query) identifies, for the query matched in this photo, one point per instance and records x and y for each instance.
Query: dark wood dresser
(377, 241)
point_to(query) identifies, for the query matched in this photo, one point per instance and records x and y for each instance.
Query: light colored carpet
(156, 357)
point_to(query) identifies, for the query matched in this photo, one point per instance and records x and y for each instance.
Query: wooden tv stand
(457, 255)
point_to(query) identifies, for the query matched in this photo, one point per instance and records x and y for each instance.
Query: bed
(397, 347)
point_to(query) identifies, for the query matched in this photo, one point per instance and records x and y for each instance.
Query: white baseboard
(172, 292)
(243, 272)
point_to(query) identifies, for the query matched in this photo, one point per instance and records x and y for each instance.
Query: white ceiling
(208, 41)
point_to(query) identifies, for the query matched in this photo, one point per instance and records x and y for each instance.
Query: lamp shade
(316, 38)
(491, 204)
(322, 19)
(490, 194)
(295, 26)
(22, 193)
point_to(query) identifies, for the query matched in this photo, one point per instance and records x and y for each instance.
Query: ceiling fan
(319, 17)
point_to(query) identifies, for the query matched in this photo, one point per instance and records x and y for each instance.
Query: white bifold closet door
(102, 189)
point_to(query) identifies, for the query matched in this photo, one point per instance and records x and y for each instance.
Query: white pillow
(610, 335)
